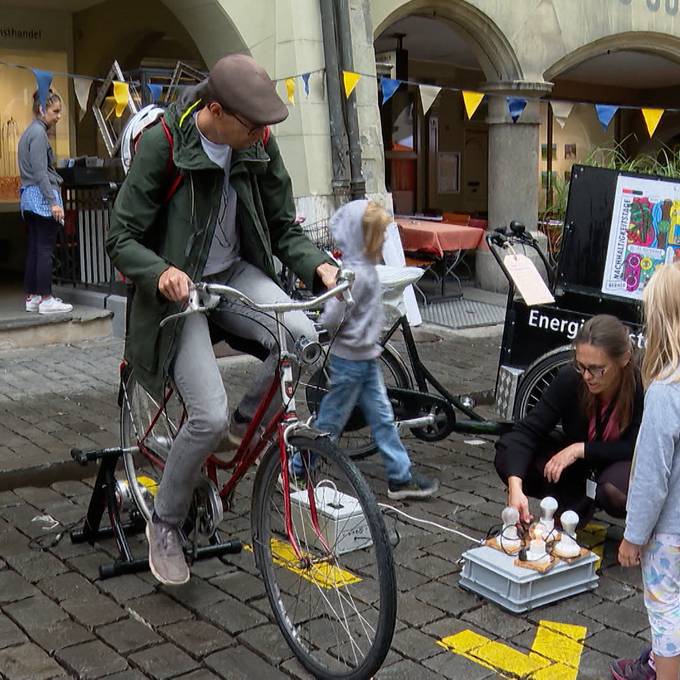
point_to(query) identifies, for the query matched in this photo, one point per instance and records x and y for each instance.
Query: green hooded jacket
(148, 234)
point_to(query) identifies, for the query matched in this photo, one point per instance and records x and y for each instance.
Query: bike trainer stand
(104, 498)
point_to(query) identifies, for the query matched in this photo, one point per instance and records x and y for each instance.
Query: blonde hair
(375, 221)
(661, 300)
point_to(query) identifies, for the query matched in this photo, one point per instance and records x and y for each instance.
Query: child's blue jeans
(361, 382)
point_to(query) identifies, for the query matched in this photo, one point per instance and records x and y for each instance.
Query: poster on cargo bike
(644, 233)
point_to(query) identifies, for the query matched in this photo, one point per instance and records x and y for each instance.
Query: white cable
(478, 541)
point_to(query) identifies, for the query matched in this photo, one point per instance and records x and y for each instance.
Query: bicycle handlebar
(500, 238)
(206, 296)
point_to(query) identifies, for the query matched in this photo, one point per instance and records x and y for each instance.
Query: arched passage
(630, 70)
(491, 47)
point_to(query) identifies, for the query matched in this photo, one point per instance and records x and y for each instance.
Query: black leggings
(570, 490)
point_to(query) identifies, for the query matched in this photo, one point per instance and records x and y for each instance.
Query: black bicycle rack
(104, 499)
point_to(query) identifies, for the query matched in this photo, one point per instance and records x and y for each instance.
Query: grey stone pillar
(513, 169)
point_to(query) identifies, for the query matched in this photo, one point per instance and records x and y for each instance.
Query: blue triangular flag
(516, 106)
(388, 87)
(44, 80)
(605, 113)
(155, 91)
(305, 82)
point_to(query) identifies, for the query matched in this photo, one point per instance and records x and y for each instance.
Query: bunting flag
(350, 79)
(516, 106)
(561, 111)
(472, 100)
(388, 86)
(605, 113)
(652, 118)
(43, 80)
(290, 90)
(305, 82)
(155, 91)
(121, 95)
(82, 86)
(428, 93)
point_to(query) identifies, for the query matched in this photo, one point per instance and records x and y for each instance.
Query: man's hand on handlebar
(328, 273)
(174, 284)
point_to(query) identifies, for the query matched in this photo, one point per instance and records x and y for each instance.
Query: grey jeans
(197, 378)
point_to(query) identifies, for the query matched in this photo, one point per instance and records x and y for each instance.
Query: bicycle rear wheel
(356, 439)
(152, 427)
(336, 606)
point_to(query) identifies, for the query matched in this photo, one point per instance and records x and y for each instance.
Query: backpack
(132, 134)
(144, 119)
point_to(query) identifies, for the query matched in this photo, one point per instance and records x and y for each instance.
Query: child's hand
(629, 554)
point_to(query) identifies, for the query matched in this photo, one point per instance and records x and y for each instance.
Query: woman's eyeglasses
(594, 371)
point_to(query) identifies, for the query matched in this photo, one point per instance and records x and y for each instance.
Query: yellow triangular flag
(350, 79)
(121, 95)
(290, 90)
(652, 118)
(472, 101)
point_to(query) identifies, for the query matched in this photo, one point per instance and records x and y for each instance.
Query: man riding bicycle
(229, 212)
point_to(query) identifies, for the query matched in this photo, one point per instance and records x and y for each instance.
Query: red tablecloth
(437, 237)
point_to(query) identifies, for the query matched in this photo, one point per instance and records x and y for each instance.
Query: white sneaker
(33, 302)
(54, 305)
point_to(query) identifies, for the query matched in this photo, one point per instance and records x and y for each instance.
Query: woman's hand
(517, 499)
(58, 213)
(629, 554)
(560, 461)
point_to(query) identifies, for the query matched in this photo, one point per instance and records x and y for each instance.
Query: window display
(17, 86)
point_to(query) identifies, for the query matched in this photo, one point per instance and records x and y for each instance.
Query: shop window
(17, 86)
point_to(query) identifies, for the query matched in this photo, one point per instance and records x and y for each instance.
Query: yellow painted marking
(322, 574)
(555, 654)
(149, 484)
(593, 536)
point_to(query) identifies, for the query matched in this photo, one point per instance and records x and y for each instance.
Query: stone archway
(492, 48)
(212, 26)
(661, 44)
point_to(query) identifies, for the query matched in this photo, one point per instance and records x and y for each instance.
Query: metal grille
(463, 313)
(319, 234)
(80, 253)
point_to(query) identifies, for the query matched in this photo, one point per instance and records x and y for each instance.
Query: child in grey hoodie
(652, 535)
(358, 228)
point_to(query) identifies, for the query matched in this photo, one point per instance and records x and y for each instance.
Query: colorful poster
(644, 233)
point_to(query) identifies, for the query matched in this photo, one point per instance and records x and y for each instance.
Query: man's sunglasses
(252, 129)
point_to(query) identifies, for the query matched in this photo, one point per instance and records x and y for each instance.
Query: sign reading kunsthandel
(16, 33)
(671, 7)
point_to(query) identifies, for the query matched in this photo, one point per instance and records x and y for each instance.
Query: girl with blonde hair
(652, 534)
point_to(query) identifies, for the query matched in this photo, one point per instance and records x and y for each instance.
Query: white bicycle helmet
(134, 128)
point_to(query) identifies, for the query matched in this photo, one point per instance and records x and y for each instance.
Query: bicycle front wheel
(336, 602)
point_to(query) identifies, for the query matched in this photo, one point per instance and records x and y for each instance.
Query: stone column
(513, 169)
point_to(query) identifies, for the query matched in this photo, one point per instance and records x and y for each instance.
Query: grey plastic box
(493, 575)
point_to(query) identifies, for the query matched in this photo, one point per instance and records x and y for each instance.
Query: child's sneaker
(417, 487)
(634, 669)
(33, 302)
(54, 305)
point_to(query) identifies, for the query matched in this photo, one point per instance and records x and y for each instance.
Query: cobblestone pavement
(58, 619)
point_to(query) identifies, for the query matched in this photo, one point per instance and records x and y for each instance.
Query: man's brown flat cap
(240, 85)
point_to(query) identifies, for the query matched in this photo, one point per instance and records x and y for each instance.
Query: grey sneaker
(166, 557)
(233, 437)
(417, 487)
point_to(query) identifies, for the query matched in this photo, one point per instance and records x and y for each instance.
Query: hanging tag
(591, 487)
(527, 280)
